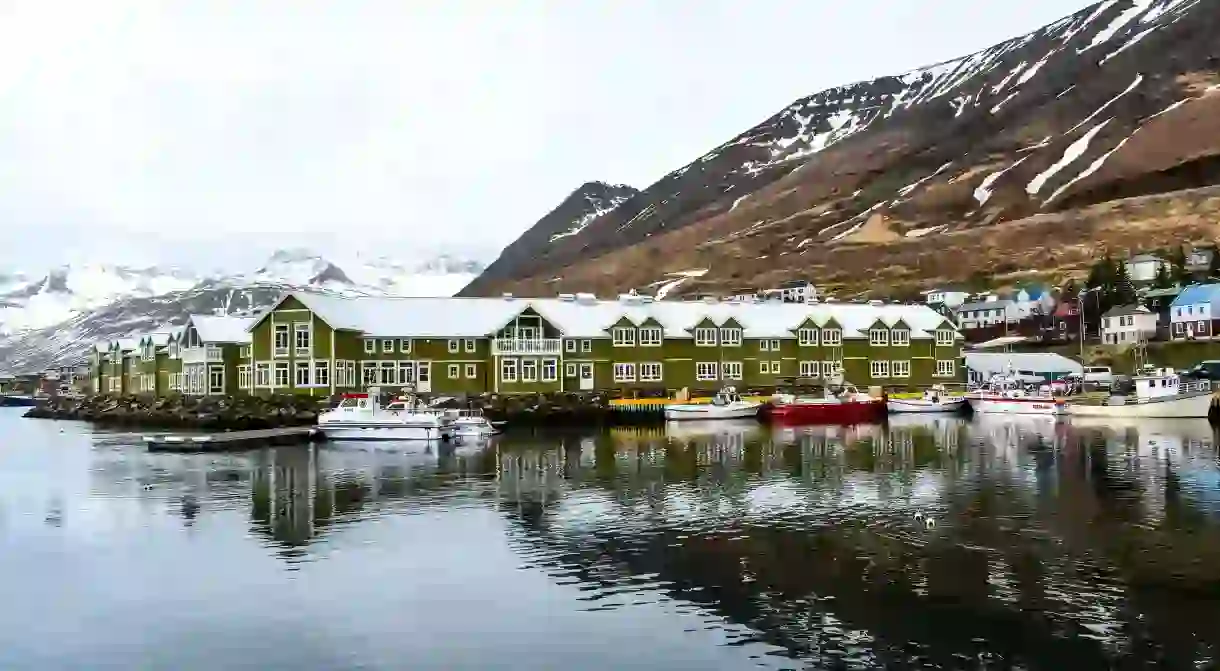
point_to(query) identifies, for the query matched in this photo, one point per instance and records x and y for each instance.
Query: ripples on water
(722, 545)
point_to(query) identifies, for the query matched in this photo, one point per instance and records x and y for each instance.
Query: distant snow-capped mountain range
(51, 319)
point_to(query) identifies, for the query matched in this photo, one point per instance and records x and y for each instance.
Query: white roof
(212, 328)
(474, 317)
(997, 363)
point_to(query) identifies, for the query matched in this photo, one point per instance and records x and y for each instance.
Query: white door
(586, 377)
(423, 376)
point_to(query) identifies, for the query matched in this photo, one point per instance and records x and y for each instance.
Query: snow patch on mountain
(597, 206)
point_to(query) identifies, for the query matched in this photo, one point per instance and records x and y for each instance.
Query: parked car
(1101, 376)
(1204, 370)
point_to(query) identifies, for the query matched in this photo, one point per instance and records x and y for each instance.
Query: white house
(1191, 314)
(1144, 267)
(984, 313)
(947, 297)
(1127, 324)
(794, 291)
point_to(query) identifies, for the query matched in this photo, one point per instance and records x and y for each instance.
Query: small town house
(1143, 268)
(1128, 324)
(946, 296)
(1194, 313)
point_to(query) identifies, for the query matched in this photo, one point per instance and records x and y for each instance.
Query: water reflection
(1054, 545)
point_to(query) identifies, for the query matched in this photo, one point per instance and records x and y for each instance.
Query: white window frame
(651, 336)
(387, 346)
(454, 371)
(407, 370)
(368, 373)
(764, 345)
(529, 370)
(707, 371)
(622, 336)
(730, 337)
(569, 370)
(321, 373)
(764, 367)
(472, 371)
(299, 329)
(550, 370)
(731, 370)
(404, 345)
(370, 345)
(454, 345)
(243, 352)
(469, 345)
(900, 338)
(624, 372)
(216, 388)
(651, 371)
(276, 331)
(832, 337)
(387, 372)
(831, 368)
(243, 376)
(809, 369)
(586, 346)
(878, 368)
(705, 336)
(508, 370)
(900, 369)
(302, 374)
(878, 337)
(945, 337)
(281, 375)
(569, 346)
(807, 337)
(946, 368)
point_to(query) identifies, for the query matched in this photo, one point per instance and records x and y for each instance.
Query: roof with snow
(1124, 310)
(217, 329)
(1145, 258)
(984, 305)
(586, 317)
(1196, 294)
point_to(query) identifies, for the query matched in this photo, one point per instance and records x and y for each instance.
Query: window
(900, 369)
(775, 345)
(243, 377)
(321, 373)
(340, 373)
(706, 370)
(764, 367)
(404, 345)
(406, 372)
(586, 346)
(946, 368)
(878, 337)
(389, 373)
(550, 370)
(832, 337)
(216, 380)
(730, 337)
(281, 340)
(244, 352)
(302, 375)
(879, 369)
(650, 336)
(809, 369)
(650, 372)
(529, 370)
(831, 368)
(387, 346)
(472, 371)
(281, 373)
(705, 337)
(764, 345)
(454, 346)
(469, 344)
(624, 372)
(944, 337)
(370, 346)
(508, 370)
(303, 339)
(731, 370)
(900, 337)
(807, 337)
(455, 371)
(622, 336)
(569, 370)
(369, 375)
(569, 345)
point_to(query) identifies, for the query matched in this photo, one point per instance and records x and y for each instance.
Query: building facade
(1195, 311)
(1127, 325)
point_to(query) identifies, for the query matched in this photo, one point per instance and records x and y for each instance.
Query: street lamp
(1080, 317)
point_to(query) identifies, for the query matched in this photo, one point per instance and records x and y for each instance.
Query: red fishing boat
(838, 404)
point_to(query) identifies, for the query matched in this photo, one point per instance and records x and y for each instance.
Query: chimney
(586, 298)
(567, 297)
(506, 296)
(710, 300)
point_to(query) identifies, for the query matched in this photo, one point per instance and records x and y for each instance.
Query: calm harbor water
(707, 546)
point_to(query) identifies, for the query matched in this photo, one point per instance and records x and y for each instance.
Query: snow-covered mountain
(52, 319)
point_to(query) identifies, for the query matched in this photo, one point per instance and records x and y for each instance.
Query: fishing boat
(1158, 392)
(840, 403)
(361, 417)
(1005, 394)
(472, 423)
(726, 404)
(935, 399)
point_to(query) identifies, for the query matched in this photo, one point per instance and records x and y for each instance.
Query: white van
(1101, 376)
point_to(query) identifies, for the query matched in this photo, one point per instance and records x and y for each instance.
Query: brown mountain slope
(1100, 130)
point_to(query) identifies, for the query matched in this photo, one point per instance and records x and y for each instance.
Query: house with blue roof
(1195, 313)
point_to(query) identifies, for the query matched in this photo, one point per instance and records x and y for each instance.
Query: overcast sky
(208, 133)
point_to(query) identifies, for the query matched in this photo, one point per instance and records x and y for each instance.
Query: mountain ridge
(1051, 121)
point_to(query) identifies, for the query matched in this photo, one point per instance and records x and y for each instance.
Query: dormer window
(944, 338)
(807, 337)
(878, 338)
(832, 337)
(900, 337)
(705, 337)
(650, 336)
(622, 336)
(730, 337)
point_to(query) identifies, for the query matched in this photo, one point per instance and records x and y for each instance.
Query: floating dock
(229, 440)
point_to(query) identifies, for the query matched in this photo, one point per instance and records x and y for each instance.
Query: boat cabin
(1152, 382)
(726, 396)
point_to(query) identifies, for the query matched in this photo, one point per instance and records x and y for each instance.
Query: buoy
(930, 523)
(918, 516)
(148, 488)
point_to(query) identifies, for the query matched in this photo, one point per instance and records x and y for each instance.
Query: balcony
(532, 347)
(209, 354)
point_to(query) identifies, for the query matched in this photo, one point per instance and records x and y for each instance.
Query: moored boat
(1158, 392)
(726, 404)
(1006, 395)
(839, 404)
(934, 399)
(361, 417)
(472, 423)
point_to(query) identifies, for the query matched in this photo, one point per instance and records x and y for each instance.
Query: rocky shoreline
(242, 413)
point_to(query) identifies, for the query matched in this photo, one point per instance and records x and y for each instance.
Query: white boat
(726, 404)
(472, 423)
(1159, 392)
(361, 417)
(1006, 395)
(935, 399)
